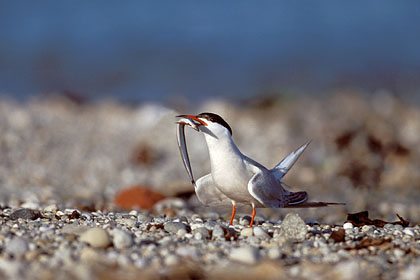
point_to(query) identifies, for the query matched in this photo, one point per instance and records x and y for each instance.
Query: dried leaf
(338, 235)
(362, 218)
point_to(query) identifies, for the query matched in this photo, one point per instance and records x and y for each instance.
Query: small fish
(188, 121)
(182, 145)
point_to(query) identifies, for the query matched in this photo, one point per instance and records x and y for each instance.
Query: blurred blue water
(159, 50)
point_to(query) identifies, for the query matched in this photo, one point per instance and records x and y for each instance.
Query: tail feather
(308, 204)
(287, 163)
(295, 198)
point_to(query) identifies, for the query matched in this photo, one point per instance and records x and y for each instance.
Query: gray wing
(209, 194)
(287, 163)
(268, 191)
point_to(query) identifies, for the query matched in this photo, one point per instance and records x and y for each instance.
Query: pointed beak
(196, 120)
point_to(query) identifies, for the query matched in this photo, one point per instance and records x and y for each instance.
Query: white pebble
(348, 226)
(51, 208)
(245, 232)
(409, 231)
(96, 237)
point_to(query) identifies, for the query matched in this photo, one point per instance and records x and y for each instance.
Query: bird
(235, 178)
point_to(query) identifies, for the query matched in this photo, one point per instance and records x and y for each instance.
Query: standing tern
(235, 178)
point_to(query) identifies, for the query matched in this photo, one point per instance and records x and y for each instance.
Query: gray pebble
(246, 255)
(293, 228)
(203, 232)
(17, 247)
(174, 227)
(27, 214)
(143, 218)
(74, 229)
(261, 233)
(122, 239)
(218, 232)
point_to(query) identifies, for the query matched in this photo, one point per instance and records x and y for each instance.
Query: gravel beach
(62, 164)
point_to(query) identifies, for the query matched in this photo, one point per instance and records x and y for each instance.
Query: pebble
(218, 232)
(74, 229)
(143, 218)
(24, 213)
(129, 222)
(261, 233)
(246, 255)
(409, 231)
(245, 232)
(293, 228)
(17, 247)
(96, 237)
(122, 239)
(51, 208)
(174, 227)
(348, 226)
(203, 232)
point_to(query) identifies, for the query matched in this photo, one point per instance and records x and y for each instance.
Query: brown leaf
(137, 197)
(361, 219)
(338, 235)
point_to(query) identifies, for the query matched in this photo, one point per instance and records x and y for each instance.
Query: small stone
(218, 232)
(74, 229)
(96, 237)
(131, 223)
(143, 218)
(261, 233)
(409, 231)
(30, 205)
(174, 227)
(246, 255)
(24, 213)
(293, 228)
(203, 232)
(182, 232)
(246, 232)
(17, 247)
(51, 208)
(367, 228)
(348, 226)
(122, 239)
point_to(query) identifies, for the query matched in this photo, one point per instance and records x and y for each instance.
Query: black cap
(215, 118)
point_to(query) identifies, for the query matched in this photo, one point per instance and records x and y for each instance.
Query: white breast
(228, 168)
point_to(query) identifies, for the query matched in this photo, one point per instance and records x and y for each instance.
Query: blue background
(163, 50)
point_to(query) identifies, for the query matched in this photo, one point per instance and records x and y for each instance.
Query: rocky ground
(64, 163)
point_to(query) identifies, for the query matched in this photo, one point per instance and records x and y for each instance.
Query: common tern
(236, 179)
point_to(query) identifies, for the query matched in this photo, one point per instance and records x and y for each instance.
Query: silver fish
(182, 145)
(187, 121)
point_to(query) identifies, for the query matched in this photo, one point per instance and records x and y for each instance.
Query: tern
(235, 178)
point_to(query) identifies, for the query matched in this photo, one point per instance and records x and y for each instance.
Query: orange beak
(193, 118)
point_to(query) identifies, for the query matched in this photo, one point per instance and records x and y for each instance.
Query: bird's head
(210, 123)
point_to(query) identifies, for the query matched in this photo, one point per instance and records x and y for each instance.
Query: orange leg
(253, 215)
(233, 213)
